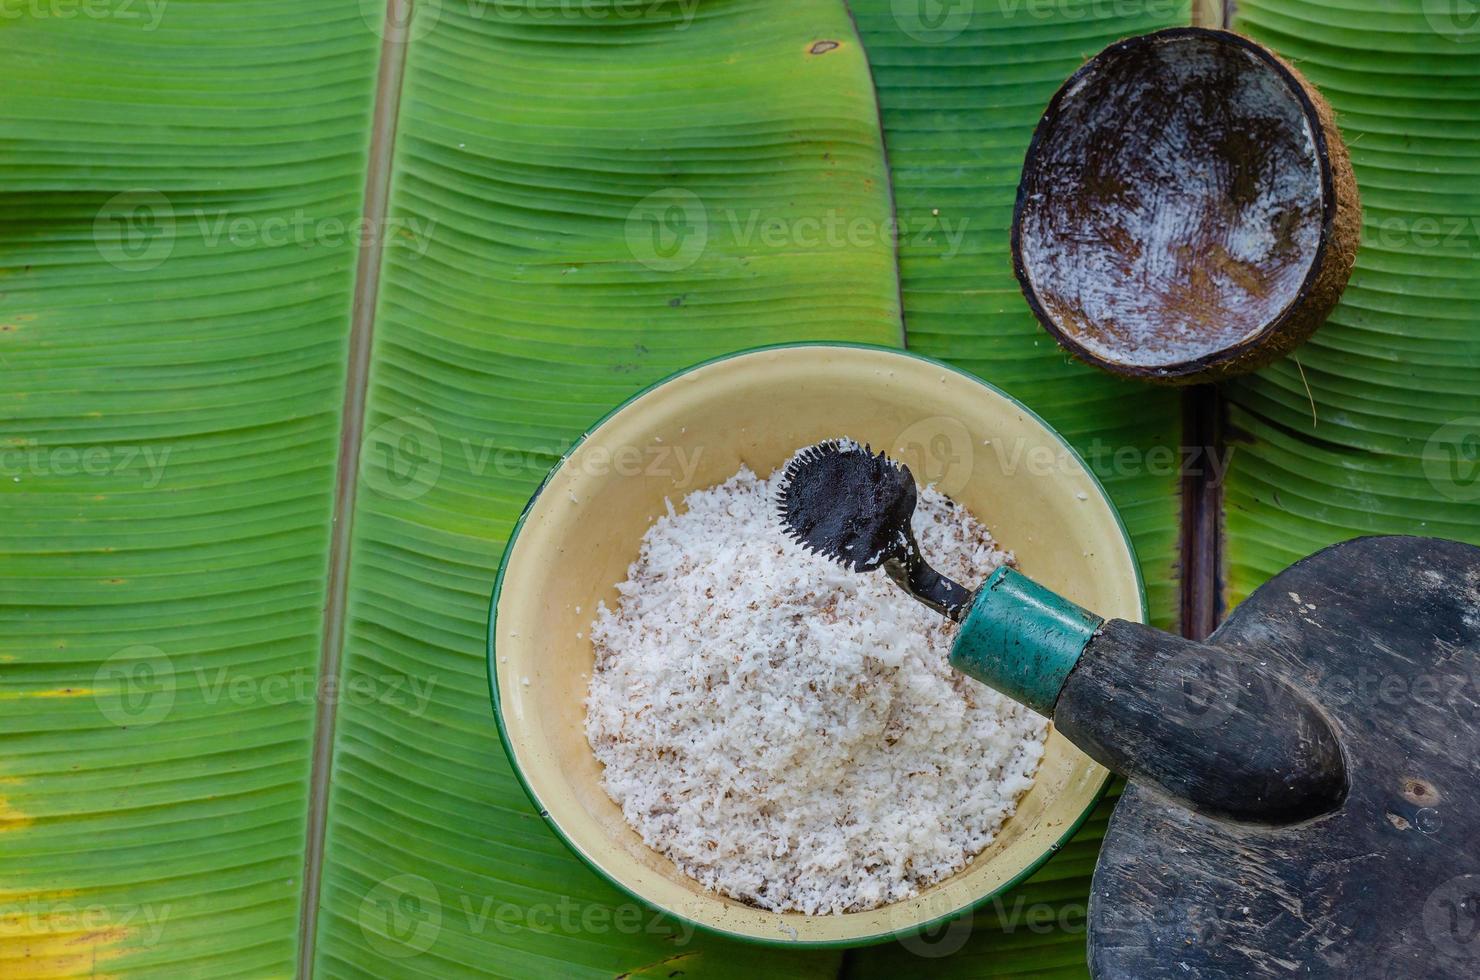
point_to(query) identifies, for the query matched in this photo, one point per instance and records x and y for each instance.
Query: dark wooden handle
(1208, 726)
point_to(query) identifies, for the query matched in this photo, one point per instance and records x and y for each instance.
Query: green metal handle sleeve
(1022, 639)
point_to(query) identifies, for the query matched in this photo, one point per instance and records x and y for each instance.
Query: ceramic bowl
(584, 526)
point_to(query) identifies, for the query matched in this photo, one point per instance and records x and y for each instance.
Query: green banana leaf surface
(299, 303)
(1373, 427)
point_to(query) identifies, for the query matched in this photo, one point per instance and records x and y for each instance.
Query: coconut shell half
(1187, 210)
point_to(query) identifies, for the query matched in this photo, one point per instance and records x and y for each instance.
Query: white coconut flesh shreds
(790, 733)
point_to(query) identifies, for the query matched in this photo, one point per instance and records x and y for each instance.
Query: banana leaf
(961, 88)
(297, 303)
(613, 203)
(1373, 427)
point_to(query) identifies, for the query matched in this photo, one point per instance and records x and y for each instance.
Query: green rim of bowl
(503, 734)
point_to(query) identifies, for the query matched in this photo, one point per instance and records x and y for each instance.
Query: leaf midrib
(390, 74)
(380, 153)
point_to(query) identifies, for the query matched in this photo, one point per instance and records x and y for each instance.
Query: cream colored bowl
(584, 526)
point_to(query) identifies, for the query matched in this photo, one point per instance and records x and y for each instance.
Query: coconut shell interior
(1178, 214)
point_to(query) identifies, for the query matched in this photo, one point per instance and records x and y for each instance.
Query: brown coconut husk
(1218, 315)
